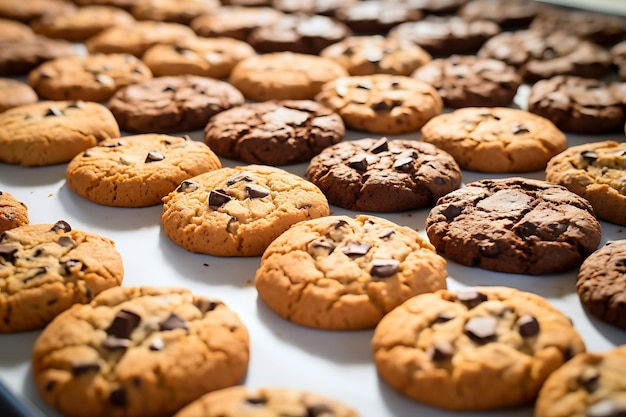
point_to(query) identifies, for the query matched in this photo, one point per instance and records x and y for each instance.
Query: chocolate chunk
(481, 329)
(356, 249)
(383, 268)
(8, 252)
(441, 351)
(85, 367)
(403, 164)
(71, 265)
(38, 252)
(53, 111)
(204, 305)
(65, 241)
(187, 186)
(444, 316)
(383, 105)
(589, 378)
(450, 212)
(169, 88)
(34, 273)
(364, 86)
(386, 234)
(104, 79)
(241, 176)
(61, 225)
(319, 410)
(606, 407)
(154, 156)
(589, 156)
(79, 104)
(320, 246)
(528, 325)
(157, 344)
(471, 298)
(111, 144)
(218, 198)
(340, 224)
(381, 145)
(123, 324)
(172, 322)
(527, 229)
(256, 400)
(114, 343)
(118, 397)
(519, 128)
(358, 162)
(186, 52)
(256, 191)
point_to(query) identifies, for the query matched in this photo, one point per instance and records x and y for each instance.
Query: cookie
(381, 103)
(312, 7)
(238, 211)
(496, 139)
(343, 273)
(47, 268)
(591, 384)
(618, 52)
(539, 55)
(12, 30)
(376, 54)
(508, 14)
(137, 38)
(19, 57)
(206, 57)
(53, 132)
(172, 104)
(177, 11)
(31, 10)
(381, 175)
(301, 33)
(15, 93)
(514, 225)
(596, 172)
(122, 4)
(13, 213)
(595, 27)
(580, 105)
(437, 7)
(482, 348)
(265, 402)
(139, 352)
(443, 36)
(137, 171)
(94, 77)
(468, 81)
(274, 132)
(376, 16)
(284, 76)
(83, 23)
(234, 21)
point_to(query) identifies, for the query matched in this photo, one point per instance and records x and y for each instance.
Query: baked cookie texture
(139, 352)
(381, 103)
(600, 28)
(591, 384)
(601, 282)
(177, 11)
(618, 53)
(381, 175)
(495, 139)
(276, 132)
(508, 14)
(18, 58)
(47, 268)
(13, 213)
(594, 171)
(137, 171)
(343, 273)
(12, 30)
(15, 93)
(235, 21)
(53, 132)
(238, 211)
(265, 402)
(376, 16)
(514, 225)
(480, 348)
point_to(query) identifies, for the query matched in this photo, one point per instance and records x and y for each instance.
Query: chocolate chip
(320, 246)
(154, 156)
(528, 325)
(111, 144)
(61, 225)
(519, 128)
(204, 305)
(340, 224)
(319, 410)
(38, 252)
(471, 298)
(85, 367)
(606, 408)
(381, 145)
(481, 329)
(79, 104)
(403, 164)
(358, 162)
(589, 156)
(218, 198)
(118, 397)
(383, 105)
(104, 79)
(65, 241)
(53, 111)
(172, 322)
(241, 176)
(441, 351)
(589, 379)
(8, 252)
(527, 229)
(123, 324)
(157, 344)
(386, 234)
(444, 316)
(71, 265)
(356, 249)
(187, 186)
(256, 191)
(114, 343)
(34, 273)
(186, 52)
(364, 86)
(383, 268)
(256, 400)
(169, 88)
(450, 212)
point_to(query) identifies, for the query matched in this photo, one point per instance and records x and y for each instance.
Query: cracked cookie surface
(139, 352)
(342, 273)
(137, 171)
(46, 268)
(238, 211)
(496, 139)
(478, 348)
(13, 213)
(514, 225)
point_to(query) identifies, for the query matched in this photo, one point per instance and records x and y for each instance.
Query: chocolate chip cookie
(595, 27)
(595, 171)
(12, 30)
(508, 14)
(274, 132)
(376, 16)
(139, 351)
(343, 273)
(177, 11)
(496, 139)
(137, 171)
(238, 211)
(176, 103)
(53, 132)
(46, 268)
(482, 348)
(381, 175)
(320, 7)
(32, 10)
(13, 213)
(234, 21)
(382, 103)
(514, 225)
(19, 57)
(618, 52)
(15, 93)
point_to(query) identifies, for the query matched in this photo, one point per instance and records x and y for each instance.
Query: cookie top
(437, 7)
(31, 10)
(206, 57)
(46, 268)
(235, 21)
(137, 171)
(496, 139)
(139, 351)
(13, 213)
(302, 33)
(320, 7)
(376, 54)
(469, 81)
(137, 38)
(446, 35)
(581, 105)
(176, 103)
(12, 30)
(19, 57)
(52, 132)
(595, 27)
(514, 225)
(15, 93)
(596, 172)
(591, 384)
(177, 11)
(376, 16)
(284, 76)
(381, 175)
(618, 52)
(238, 211)
(508, 14)
(539, 55)
(382, 103)
(94, 77)
(480, 348)
(274, 132)
(343, 273)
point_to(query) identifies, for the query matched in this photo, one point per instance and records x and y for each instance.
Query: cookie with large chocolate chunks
(13, 213)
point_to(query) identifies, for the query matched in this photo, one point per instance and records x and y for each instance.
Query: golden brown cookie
(19, 57)
(13, 213)
(12, 30)
(177, 11)
(234, 21)
(31, 10)
(15, 93)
